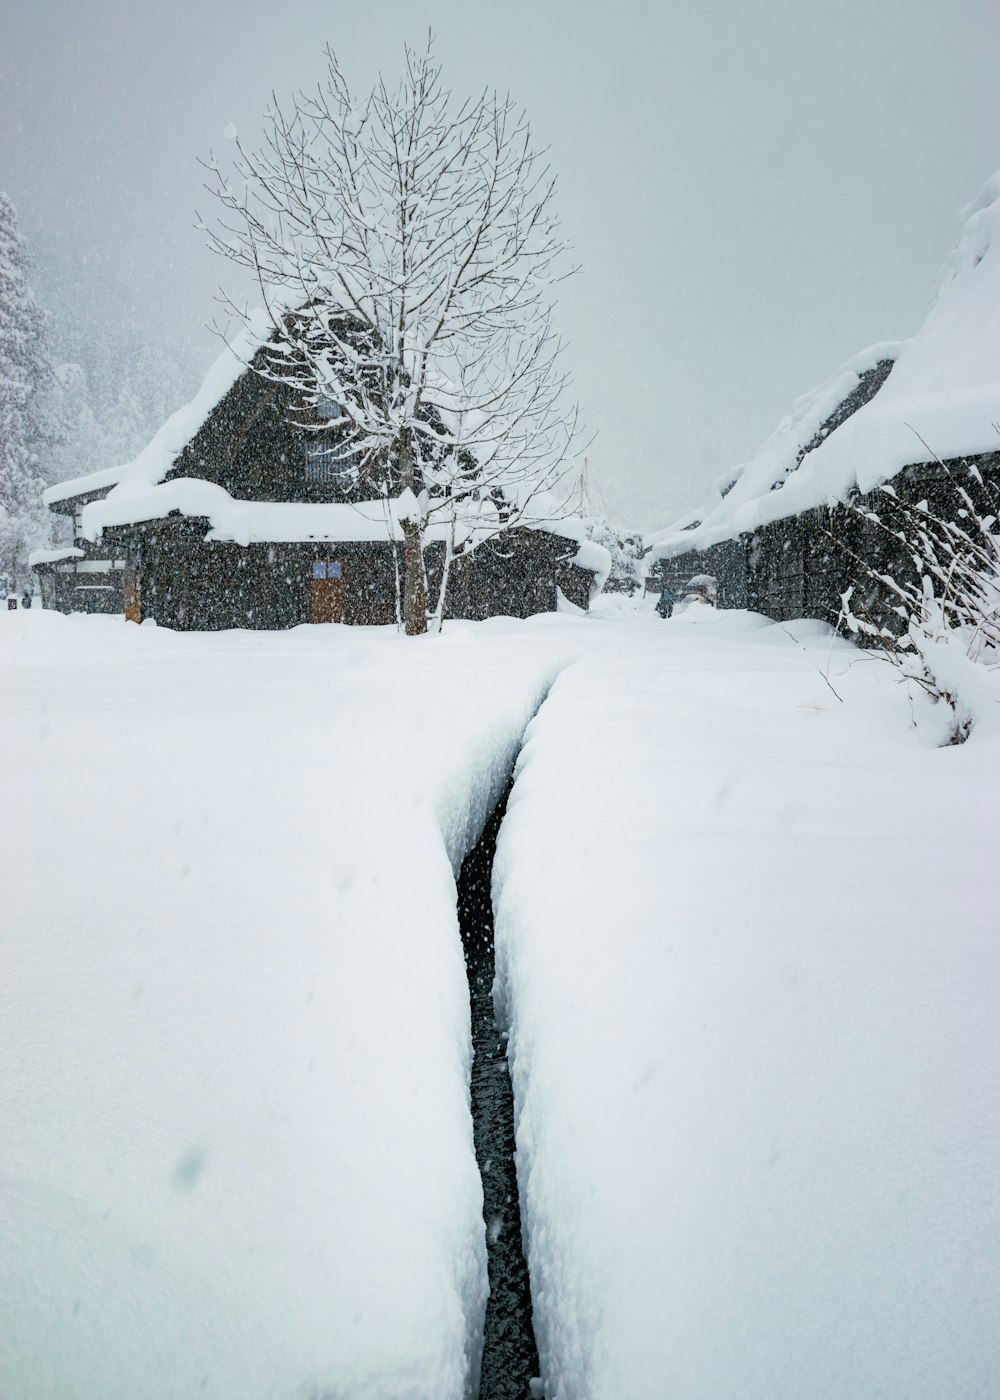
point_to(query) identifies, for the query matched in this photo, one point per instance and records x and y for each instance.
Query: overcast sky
(755, 189)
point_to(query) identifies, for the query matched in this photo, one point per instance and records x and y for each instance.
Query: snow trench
(510, 1355)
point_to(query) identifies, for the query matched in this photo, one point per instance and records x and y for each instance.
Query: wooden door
(133, 595)
(326, 600)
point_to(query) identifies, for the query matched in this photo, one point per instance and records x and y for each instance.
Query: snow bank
(942, 399)
(236, 1153)
(746, 939)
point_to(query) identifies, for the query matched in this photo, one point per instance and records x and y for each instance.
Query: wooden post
(133, 594)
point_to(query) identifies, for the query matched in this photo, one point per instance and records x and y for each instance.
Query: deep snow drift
(235, 1147)
(747, 948)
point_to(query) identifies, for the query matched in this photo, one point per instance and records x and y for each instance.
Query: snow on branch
(407, 248)
(940, 625)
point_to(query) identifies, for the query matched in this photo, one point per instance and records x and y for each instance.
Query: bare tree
(406, 248)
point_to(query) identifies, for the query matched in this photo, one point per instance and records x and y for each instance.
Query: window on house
(328, 408)
(330, 464)
(326, 568)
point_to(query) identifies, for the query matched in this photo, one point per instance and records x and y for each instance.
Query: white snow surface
(101, 480)
(747, 952)
(235, 1145)
(251, 522)
(942, 399)
(53, 556)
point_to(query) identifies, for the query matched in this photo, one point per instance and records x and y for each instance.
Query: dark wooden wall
(194, 585)
(66, 591)
(254, 445)
(801, 566)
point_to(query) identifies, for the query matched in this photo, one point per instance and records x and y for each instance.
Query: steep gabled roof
(164, 479)
(770, 485)
(158, 456)
(941, 400)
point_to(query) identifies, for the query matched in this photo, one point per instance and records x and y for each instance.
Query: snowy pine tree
(24, 379)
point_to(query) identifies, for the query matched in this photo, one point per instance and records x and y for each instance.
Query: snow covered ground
(747, 950)
(235, 1147)
(747, 941)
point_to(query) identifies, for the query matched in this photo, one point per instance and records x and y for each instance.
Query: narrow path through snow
(510, 1355)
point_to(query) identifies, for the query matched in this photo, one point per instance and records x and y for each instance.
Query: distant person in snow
(665, 606)
(26, 601)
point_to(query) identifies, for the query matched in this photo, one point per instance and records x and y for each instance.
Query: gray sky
(754, 190)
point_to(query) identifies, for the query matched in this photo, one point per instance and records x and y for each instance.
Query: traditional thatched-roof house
(250, 508)
(921, 415)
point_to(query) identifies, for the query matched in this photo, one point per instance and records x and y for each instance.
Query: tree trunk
(414, 581)
(414, 574)
(449, 555)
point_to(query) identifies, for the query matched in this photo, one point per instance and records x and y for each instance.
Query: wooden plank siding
(192, 584)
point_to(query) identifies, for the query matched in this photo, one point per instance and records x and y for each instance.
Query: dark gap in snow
(510, 1356)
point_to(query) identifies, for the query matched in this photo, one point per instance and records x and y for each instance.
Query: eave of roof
(291, 522)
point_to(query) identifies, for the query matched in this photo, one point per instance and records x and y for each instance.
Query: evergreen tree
(24, 380)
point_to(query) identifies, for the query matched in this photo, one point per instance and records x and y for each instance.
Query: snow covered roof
(279, 522)
(160, 453)
(140, 493)
(101, 480)
(942, 399)
(246, 522)
(52, 556)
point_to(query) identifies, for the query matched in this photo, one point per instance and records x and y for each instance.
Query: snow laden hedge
(945, 615)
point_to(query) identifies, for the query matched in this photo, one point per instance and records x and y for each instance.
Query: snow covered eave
(38, 558)
(273, 522)
(240, 522)
(596, 560)
(93, 484)
(941, 401)
(158, 456)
